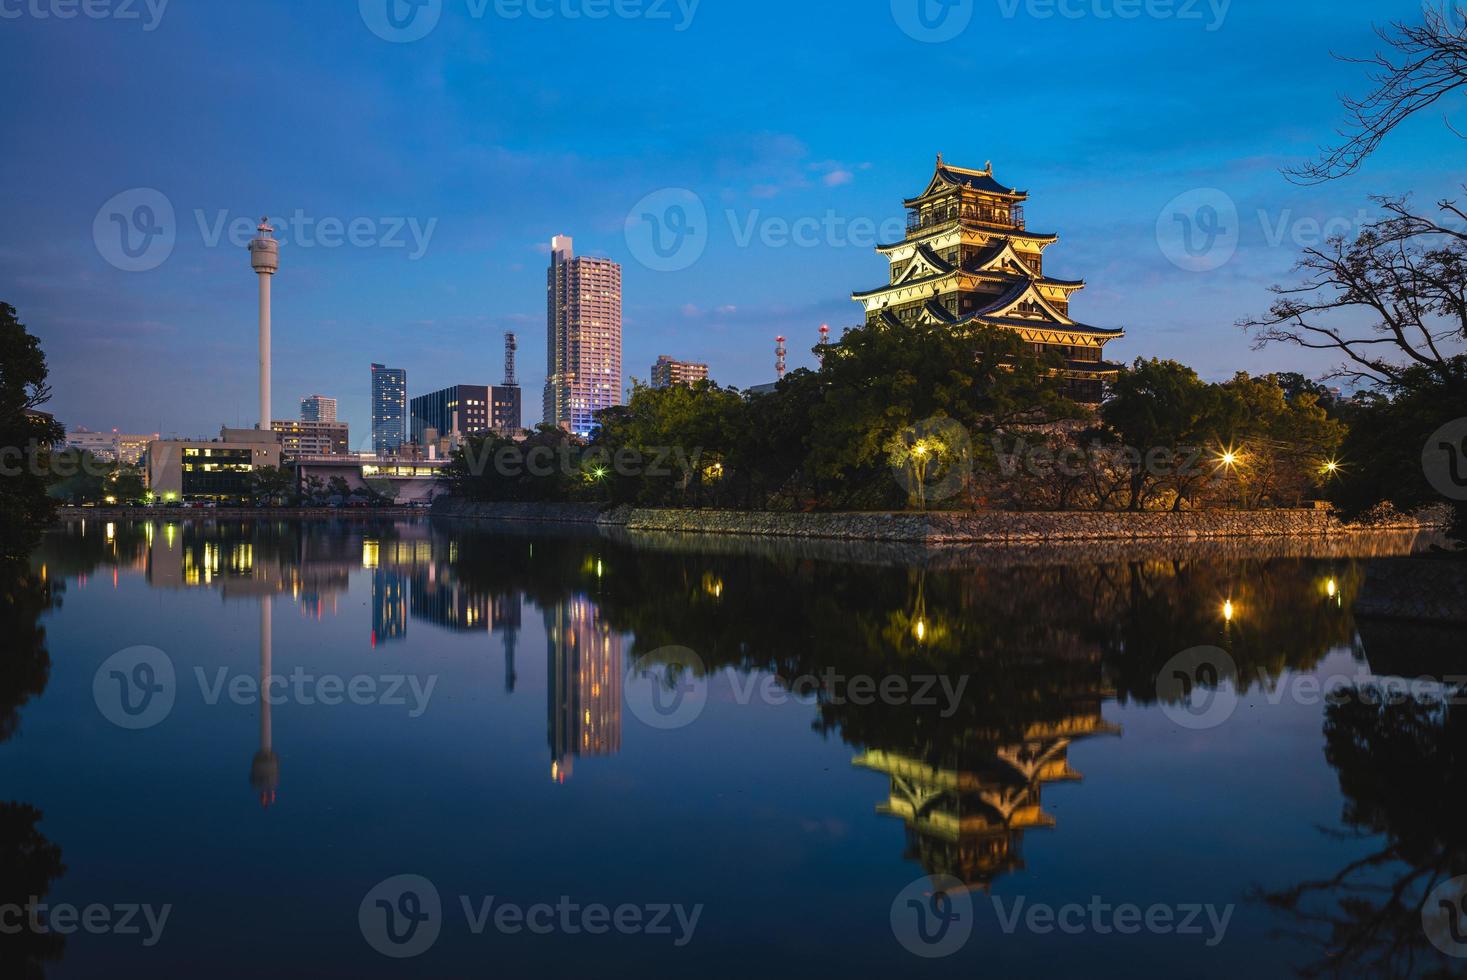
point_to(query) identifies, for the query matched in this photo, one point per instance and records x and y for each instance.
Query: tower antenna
(511, 345)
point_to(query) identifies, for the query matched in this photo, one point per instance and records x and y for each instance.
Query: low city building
(114, 445)
(669, 371)
(313, 438)
(219, 470)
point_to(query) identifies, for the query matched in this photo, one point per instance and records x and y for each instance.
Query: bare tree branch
(1427, 62)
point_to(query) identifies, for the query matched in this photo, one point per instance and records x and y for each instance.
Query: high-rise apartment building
(318, 408)
(389, 409)
(668, 372)
(583, 338)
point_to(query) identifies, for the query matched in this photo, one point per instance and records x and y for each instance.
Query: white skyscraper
(583, 338)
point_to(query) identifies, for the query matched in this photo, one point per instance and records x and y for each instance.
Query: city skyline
(1106, 179)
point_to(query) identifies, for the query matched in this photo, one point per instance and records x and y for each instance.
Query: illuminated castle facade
(969, 258)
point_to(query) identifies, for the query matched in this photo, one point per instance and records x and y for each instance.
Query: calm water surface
(521, 713)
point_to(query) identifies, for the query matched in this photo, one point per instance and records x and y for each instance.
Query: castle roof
(945, 177)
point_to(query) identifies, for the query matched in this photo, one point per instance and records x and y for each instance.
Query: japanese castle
(968, 258)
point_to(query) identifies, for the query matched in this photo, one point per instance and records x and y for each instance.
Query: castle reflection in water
(967, 784)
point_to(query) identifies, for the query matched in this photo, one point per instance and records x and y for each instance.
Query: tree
(1283, 447)
(25, 438)
(313, 489)
(1169, 420)
(78, 477)
(881, 381)
(270, 486)
(1429, 61)
(338, 490)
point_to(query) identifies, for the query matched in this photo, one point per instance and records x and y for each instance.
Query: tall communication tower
(780, 357)
(824, 340)
(511, 345)
(265, 260)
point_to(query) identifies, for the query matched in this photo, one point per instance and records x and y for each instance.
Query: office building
(453, 413)
(221, 470)
(312, 438)
(583, 338)
(318, 408)
(668, 372)
(389, 409)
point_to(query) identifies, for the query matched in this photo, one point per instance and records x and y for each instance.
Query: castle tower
(968, 258)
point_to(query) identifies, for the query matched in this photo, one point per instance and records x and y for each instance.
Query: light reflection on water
(469, 704)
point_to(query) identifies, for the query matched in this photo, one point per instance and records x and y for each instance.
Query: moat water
(367, 748)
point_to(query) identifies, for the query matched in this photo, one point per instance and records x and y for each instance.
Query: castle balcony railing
(1006, 217)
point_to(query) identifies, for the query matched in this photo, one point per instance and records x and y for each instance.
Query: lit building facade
(319, 408)
(669, 371)
(583, 338)
(585, 685)
(114, 445)
(313, 438)
(968, 258)
(389, 409)
(221, 470)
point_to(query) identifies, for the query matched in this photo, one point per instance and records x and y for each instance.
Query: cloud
(838, 177)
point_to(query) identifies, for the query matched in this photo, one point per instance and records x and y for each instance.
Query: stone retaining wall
(932, 528)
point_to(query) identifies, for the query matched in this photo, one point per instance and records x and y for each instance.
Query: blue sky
(496, 132)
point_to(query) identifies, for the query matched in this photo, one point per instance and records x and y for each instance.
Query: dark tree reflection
(29, 863)
(1402, 767)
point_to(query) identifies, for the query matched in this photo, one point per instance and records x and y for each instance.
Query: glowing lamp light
(1228, 610)
(920, 630)
(1331, 588)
